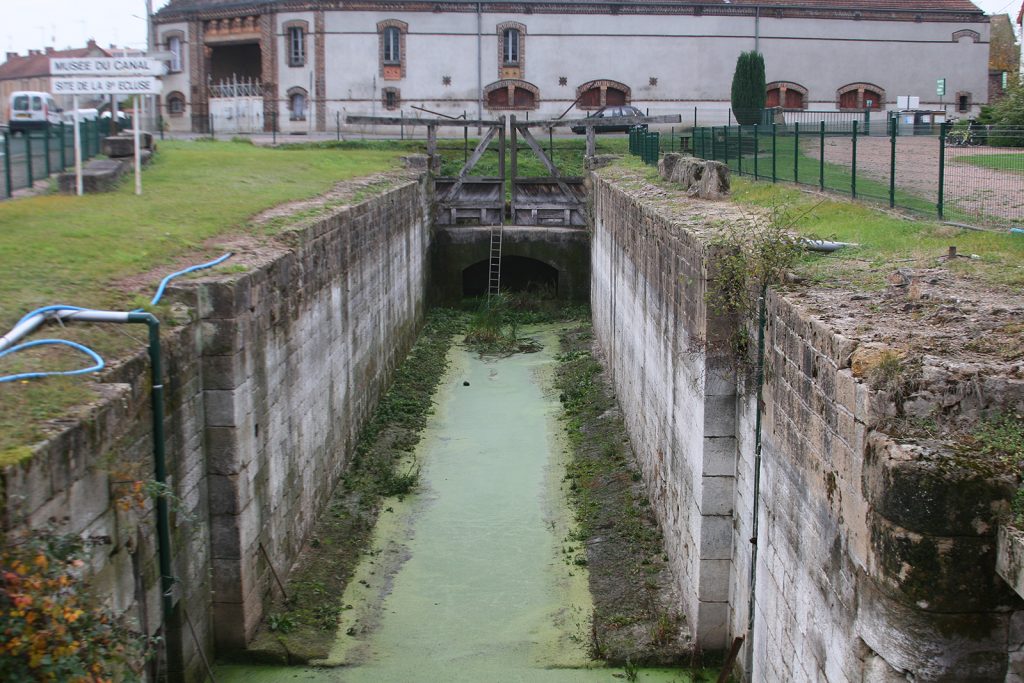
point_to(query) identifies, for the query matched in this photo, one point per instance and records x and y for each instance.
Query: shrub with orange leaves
(50, 628)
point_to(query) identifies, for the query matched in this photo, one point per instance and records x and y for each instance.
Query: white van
(33, 110)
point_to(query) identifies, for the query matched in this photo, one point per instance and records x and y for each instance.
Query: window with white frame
(296, 46)
(174, 47)
(392, 45)
(511, 47)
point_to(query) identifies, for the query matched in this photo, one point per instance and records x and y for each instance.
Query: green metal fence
(33, 155)
(976, 176)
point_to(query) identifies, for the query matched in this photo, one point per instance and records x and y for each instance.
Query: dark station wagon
(610, 112)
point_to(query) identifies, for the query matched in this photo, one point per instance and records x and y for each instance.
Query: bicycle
(964, 137)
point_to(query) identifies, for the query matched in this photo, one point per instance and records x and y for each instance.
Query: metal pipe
(479, 65)
(163, 527)
(755, 519)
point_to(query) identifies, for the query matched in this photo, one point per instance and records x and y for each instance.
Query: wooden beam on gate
(431, 145)
(610, 121)
(474, 158)
(539, 152)
(398, 121)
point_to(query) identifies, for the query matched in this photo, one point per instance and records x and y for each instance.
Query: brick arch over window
(175, 103)
(514, 68)
(602, 93)
(298, 104)
(174, 42)
(966, 33)
(786, 94)
(295, 33)
(512, 94)
(860, 96)
(392, 65)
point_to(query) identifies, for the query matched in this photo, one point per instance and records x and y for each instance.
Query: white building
(309, 63)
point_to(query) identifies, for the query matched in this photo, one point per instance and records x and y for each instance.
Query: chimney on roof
(91, 44)
(33, 53)
(49, 50)
(11, 55)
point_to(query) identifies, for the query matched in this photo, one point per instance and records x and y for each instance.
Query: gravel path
(975, 190)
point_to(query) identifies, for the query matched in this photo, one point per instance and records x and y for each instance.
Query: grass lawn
(886, 241)
(68, 250)
(1014, 163)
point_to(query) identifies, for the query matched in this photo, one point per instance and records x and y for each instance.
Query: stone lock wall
(676, 391)
(266, 391)
(875, 557)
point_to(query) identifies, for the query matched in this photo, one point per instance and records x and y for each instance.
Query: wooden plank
(398, 121)
(474, 158)
(539, 153)
(609, 121)
(501, 154)
(513, 141)
(431, 145)
(591, 141)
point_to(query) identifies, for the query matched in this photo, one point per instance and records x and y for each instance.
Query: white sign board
(904, 102)
(107, 66)
(124, 85)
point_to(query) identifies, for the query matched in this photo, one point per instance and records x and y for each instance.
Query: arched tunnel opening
(518, 274)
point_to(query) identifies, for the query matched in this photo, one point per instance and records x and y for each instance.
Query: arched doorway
(518, 274)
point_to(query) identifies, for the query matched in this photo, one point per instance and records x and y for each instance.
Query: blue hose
(190, 269)
(79, 347)
(64, 342)
(46, 309)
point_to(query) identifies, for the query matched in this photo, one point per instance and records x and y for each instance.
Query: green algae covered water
(470, 579)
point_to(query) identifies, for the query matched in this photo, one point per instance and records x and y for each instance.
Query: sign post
(78, 147)
(135, 76)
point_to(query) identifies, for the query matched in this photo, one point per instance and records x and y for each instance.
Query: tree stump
(700, 178)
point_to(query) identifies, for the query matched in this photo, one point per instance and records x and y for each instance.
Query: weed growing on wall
(745, 259)
(51, 628)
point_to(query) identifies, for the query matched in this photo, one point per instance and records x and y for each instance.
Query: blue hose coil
(99, 364)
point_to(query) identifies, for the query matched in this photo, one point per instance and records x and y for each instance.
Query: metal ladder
(494, 278)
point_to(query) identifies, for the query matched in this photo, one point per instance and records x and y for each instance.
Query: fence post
(713, 157)
(160, 124)
(774, 156)
(695, 118)
(728, 121)
(853, 169)
(273, 127)
(7, 164)
(757, 150)
(63, 147)
(796, 152)
(943, 129)
(867, 121)
(726, 136)
(47, 131)
(672, 139)
(821, 157)
(337, 123)
(739, 149)
(892, 166)
(28, 156)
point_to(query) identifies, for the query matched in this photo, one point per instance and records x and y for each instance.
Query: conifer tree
(748, 88)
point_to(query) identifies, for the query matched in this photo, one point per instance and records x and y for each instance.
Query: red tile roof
(178, 7)
(37, 63)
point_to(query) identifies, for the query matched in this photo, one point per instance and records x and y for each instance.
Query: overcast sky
(35, 24)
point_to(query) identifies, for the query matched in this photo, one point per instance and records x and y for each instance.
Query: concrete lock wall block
(266, 392)
(874, 561)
